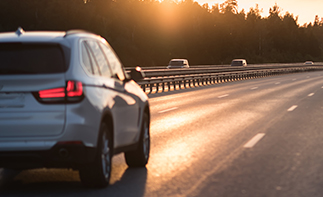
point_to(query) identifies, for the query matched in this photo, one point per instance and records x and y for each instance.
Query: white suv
(239, 62)
(178, 63)
(66, 102)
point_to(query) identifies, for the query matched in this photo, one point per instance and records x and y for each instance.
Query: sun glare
(168, 17)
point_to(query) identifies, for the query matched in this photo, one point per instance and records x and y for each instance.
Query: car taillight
(52, 93)
(74, 89)
(72, 93)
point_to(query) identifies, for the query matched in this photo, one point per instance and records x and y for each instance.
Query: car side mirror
(137, 74)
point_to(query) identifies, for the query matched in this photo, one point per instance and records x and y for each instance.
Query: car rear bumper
(59, 156)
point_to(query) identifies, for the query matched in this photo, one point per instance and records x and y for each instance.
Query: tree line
(150, 32)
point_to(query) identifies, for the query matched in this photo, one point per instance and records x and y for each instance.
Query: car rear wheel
(139, 157)
(97, 173)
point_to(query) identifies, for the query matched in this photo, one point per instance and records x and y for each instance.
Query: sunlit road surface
(260, 137)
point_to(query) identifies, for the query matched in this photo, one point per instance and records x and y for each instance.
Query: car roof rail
(20, 31)
(76, 31)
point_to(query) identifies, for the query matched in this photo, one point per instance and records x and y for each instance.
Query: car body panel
(21, 115)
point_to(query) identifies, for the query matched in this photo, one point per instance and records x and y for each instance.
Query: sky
(304, 9)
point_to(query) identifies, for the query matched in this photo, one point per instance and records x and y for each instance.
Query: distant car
(239, 62)
(309, 63)
(178, 63)
(66, 102)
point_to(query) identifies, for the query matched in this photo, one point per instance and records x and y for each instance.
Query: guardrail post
(151, 88)
(157, 87)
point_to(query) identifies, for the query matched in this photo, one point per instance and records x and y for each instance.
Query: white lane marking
(254, 140)
(222, 96)
(294, 79)
(167, 110)
(254, 88)
(311, 94)
(277, 83)
(292, 108)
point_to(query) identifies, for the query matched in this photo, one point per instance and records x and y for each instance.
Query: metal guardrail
(161, 80)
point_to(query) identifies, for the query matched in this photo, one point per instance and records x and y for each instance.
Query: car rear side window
(99, 58)
(31, 58)
(87, 61)
(114, 62)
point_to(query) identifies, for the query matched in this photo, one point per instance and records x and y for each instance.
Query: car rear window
(236, 63)
(31, 58)
(176, 63)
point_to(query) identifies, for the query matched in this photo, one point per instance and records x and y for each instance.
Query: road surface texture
(260, 137)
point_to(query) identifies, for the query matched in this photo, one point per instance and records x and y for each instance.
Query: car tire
(97, 173)
(140, 157)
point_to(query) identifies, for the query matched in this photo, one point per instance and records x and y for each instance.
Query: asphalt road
(259, 137)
